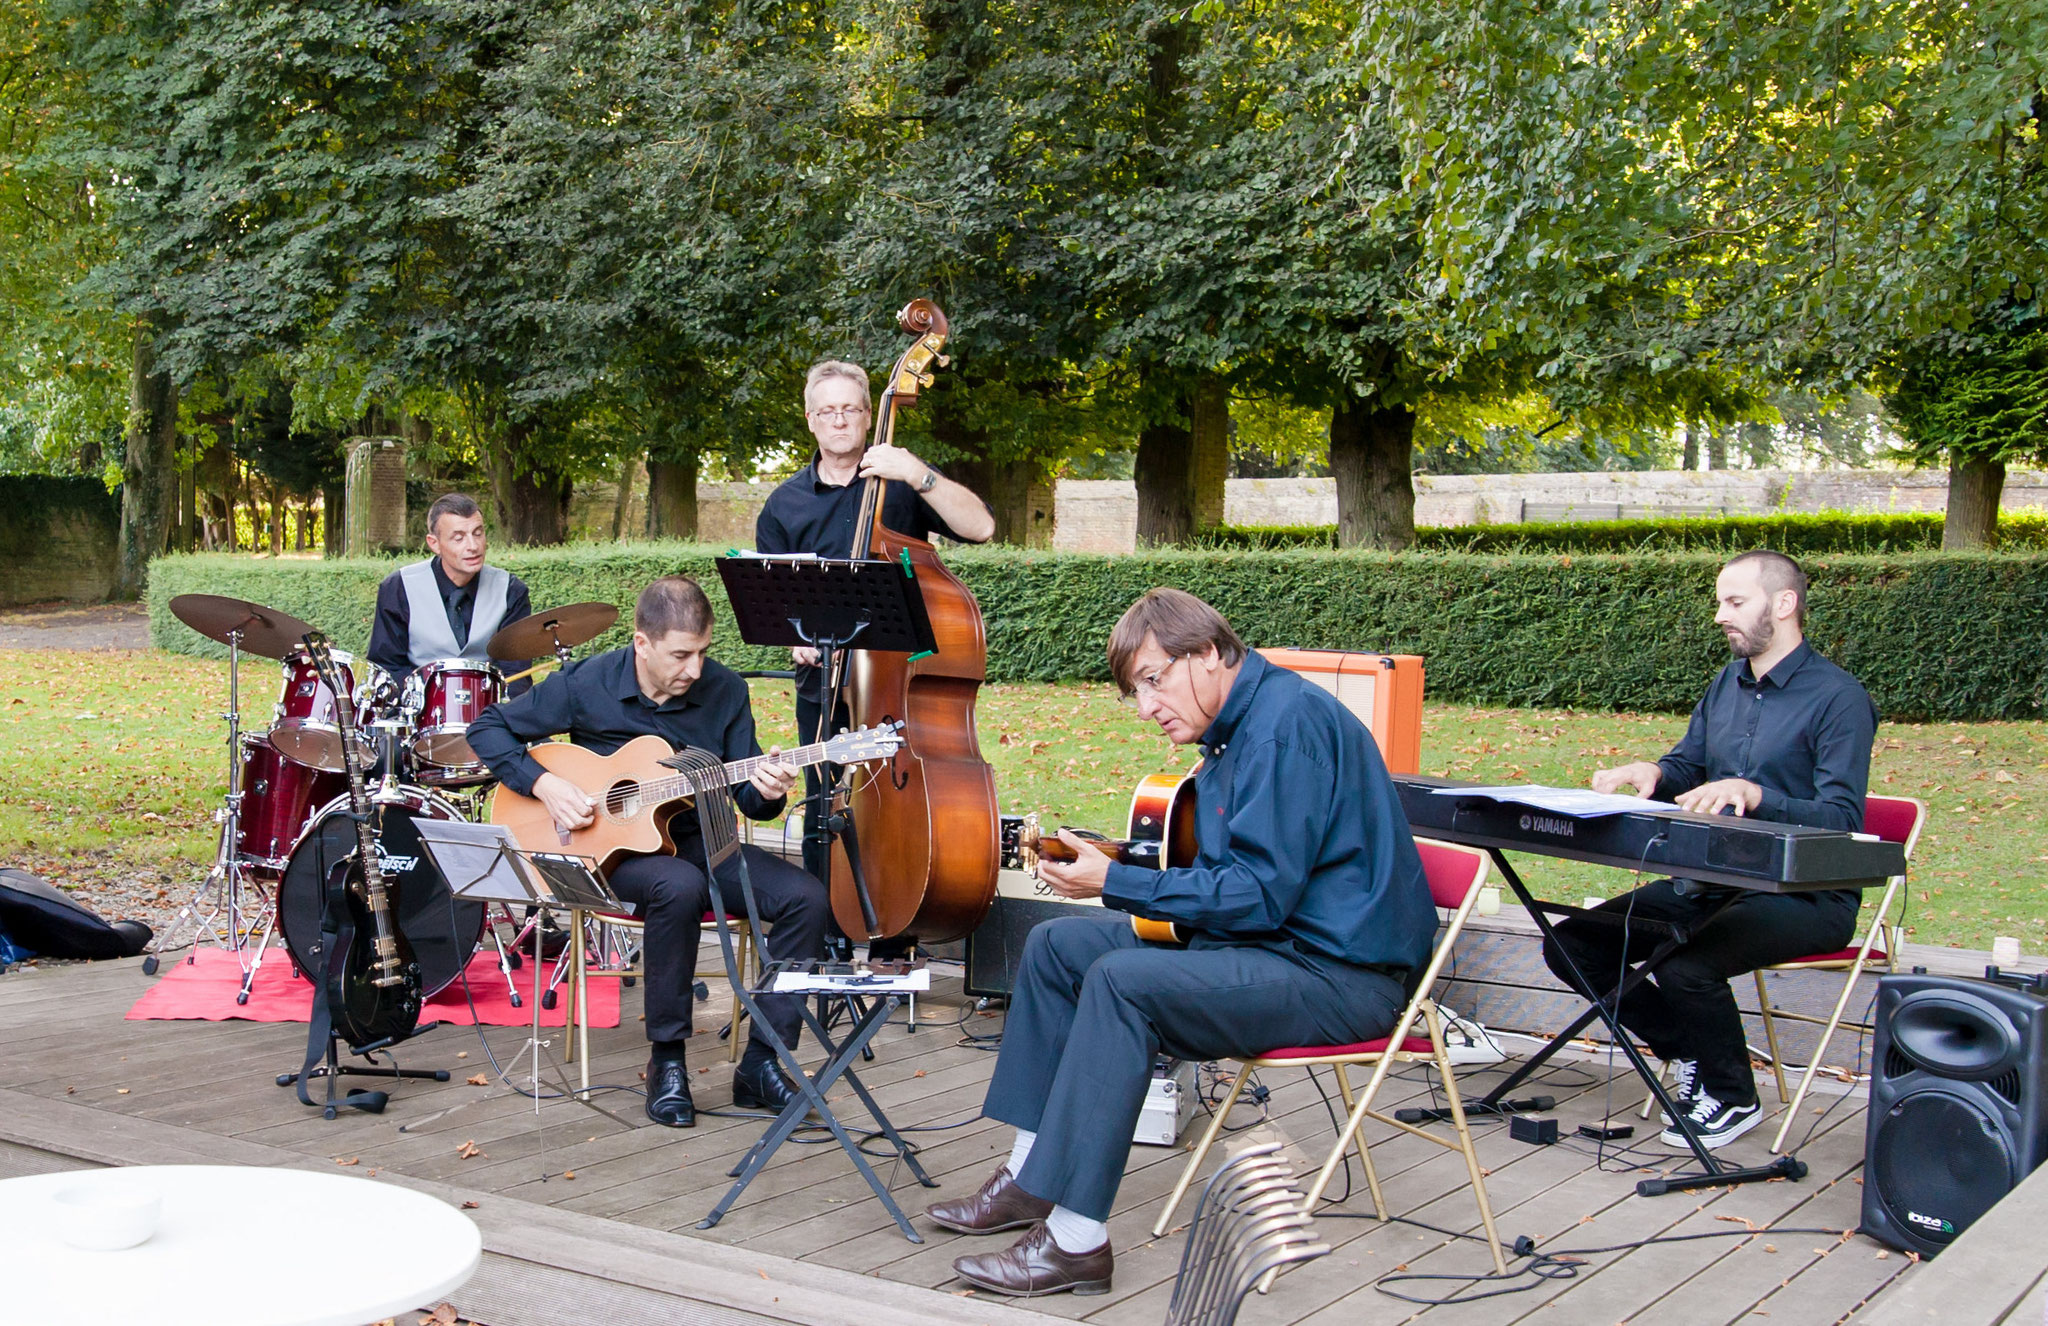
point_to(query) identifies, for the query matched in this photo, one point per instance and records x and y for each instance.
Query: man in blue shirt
(1782, 734)
(1308, 912)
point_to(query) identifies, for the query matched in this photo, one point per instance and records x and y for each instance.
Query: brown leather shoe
(1035, 1265)
(1000, 1205)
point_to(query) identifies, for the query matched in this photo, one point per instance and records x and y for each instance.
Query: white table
(236, 1247)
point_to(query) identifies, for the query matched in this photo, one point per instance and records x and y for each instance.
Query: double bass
(925, 823)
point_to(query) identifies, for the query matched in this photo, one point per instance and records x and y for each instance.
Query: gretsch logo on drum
(395, 865)
(1550, 824)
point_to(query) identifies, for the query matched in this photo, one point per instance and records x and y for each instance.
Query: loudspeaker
(1958, 1105)
(997, 945)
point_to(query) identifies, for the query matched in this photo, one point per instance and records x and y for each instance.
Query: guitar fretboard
(622, 800)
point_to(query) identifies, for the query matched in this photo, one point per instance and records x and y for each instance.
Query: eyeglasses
(837, 413)
(1149, 684)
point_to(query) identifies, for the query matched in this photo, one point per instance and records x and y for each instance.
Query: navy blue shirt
(1300, 834)
(597, 701)
(1802, 734)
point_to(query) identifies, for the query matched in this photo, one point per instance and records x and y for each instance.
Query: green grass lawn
(115, 765)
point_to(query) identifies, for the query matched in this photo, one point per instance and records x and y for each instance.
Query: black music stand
(830, 605)
(720, 828)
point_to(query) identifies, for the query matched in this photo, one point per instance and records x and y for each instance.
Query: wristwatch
(929, 482)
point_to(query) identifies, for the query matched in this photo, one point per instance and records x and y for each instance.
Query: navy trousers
(1094, 1004)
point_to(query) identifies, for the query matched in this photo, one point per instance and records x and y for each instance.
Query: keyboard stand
(1713, 1173)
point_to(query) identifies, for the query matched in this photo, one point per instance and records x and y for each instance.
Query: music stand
(828, 604)
(484, 863)
(720, 828)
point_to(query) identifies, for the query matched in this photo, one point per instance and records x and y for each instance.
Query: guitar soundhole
(623, 800)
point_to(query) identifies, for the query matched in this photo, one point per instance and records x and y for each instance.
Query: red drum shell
(454, 692)
(305, 730)
(442, 938)
(278, 798)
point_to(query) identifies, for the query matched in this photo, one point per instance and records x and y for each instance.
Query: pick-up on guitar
(637, 792)
(1161, 829)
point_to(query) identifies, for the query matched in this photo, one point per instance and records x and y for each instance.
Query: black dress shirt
(598, 703)
(1802, 734)
(391, 633)
(1301, 837)
(807, 515)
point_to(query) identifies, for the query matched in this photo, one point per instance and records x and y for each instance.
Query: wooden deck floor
(70, 1066)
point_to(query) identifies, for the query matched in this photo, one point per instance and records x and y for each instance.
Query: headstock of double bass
(924, 320)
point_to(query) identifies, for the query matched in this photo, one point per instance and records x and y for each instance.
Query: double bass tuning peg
(943, 361)
(925, 379)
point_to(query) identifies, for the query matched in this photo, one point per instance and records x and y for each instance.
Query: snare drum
(278, 798)
(305, 729)
(452, 693)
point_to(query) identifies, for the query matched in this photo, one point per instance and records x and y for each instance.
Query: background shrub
(1930, 634)
(1798, 535)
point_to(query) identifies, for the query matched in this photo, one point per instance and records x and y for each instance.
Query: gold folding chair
(1455, 875)
(1895, 820)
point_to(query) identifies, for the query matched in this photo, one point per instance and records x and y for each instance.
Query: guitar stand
(1713, 1174)
(369, 1102)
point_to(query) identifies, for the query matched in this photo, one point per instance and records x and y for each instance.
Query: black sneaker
(1714, 1123)
(1684, 1088)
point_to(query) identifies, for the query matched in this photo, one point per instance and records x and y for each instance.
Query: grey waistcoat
(429, 635)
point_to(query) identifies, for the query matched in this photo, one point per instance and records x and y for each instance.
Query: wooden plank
(1985, 1275)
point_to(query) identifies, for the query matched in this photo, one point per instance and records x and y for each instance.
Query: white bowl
(106, 1216)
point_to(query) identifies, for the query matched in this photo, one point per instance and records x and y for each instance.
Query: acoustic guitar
(1160, 835)
(637, 791)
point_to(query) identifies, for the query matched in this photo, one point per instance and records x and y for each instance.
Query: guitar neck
(737, 771)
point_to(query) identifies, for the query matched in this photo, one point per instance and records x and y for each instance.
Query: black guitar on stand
(366, 980)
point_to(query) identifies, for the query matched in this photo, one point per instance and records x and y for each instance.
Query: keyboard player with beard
(1781, 734)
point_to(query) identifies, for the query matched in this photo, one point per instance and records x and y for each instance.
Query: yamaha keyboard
(1714, 849)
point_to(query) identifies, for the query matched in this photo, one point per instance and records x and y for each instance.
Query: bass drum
(442, 938)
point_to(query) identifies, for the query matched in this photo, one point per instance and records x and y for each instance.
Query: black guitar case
(44, 919)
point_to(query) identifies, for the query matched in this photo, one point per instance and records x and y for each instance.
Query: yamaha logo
(1549, 824)
(1935, 1223)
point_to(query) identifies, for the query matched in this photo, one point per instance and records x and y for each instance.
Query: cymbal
(531, 637)
(265, 631)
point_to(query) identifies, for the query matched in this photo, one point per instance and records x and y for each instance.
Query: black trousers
(671, 895)
(1685, 1010)
(1094, 1004)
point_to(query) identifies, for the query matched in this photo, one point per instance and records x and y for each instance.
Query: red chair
(1455, 876)
(1895, 820)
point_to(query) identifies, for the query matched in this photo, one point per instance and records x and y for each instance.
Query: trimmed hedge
(1957, 636)
(1799, 535)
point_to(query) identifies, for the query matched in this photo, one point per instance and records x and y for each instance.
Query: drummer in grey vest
(450, 605)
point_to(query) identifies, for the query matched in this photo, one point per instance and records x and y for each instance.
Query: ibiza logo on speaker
(1935, 1223)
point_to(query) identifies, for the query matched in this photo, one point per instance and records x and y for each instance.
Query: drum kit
(287, 793)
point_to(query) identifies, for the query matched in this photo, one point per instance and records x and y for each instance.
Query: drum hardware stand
(216, 910)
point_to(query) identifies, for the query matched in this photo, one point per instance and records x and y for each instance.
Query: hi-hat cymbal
(265, 631)
(531, 637)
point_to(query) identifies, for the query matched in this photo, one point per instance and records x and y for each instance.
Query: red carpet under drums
(205, 990)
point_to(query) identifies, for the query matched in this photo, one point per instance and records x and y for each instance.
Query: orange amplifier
(1384, 690)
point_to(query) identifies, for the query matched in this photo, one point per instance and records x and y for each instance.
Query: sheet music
(1581, 802)
(916, 981)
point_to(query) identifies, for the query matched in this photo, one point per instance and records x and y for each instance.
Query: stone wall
(60, 538)
(1100, 515)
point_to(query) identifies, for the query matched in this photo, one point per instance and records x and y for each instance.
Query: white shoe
(1714, 1124)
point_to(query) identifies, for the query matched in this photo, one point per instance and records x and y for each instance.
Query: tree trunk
(672, 497)
(277, 515)
(149, 471)
(1166, 480)
(1974, 487)
(1209, 422)
(333, 519)
(1717, 449)
(627, 473)
(1372, 457)
(533, 504)
(302, 538)
(1692, 447)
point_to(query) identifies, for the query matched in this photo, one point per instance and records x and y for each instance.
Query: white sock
(1075, 1233)
(1019, 1150)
